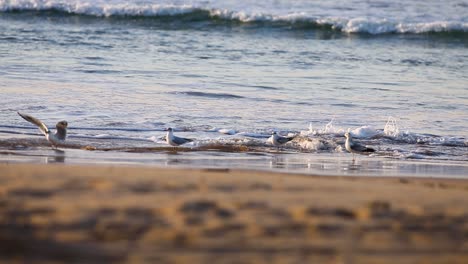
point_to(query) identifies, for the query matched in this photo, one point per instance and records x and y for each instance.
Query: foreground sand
(108, 214)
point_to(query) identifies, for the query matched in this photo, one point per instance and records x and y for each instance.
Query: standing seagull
(175, 141)
(55, 139)
(278, 140)
(355, 147)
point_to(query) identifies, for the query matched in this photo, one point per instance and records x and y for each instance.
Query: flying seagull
(175, 141)
(355, 147)
(56, 138)
(278, 140)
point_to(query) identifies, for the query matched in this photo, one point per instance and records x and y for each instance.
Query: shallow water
(230, 73)
(290, 162)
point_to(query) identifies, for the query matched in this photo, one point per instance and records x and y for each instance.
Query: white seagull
(175, 141)
(278, 140)
(56, 138)
(354, 147)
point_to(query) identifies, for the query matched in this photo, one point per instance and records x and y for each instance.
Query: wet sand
(109, 214)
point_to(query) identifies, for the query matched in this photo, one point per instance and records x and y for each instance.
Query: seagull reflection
(59, 157)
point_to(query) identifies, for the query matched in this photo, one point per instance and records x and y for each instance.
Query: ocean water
(228, 73)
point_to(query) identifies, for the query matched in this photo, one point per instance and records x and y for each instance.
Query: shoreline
(271, 162)
(99, 213)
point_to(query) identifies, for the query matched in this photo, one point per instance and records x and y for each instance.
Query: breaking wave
(193, 13)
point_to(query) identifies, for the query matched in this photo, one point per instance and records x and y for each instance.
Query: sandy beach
(109, 214)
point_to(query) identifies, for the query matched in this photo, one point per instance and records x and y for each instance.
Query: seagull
(278, 140)
(175, 141)
(354, 147)
(55, 139)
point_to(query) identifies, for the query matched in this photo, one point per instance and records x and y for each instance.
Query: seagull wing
(42, 127)
(283, 140)
(360, 148)
(180, 141)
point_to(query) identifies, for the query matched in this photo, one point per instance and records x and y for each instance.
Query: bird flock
(59, 137)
